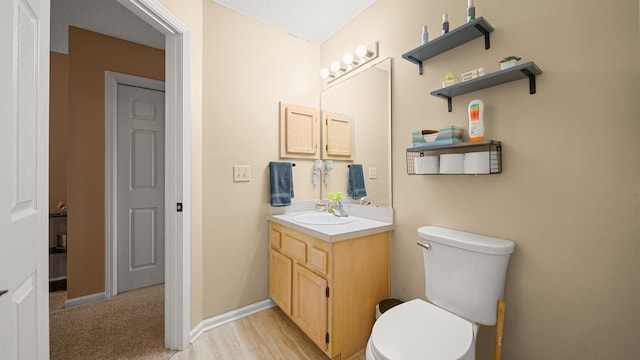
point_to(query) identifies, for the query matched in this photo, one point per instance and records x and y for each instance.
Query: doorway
(177, 170)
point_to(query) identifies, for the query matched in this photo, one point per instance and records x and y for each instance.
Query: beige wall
(248, 68)
(58, 120)
(90, 55)
(568, 195)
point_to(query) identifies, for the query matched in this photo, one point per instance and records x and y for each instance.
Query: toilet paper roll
(427, 164)
(477, 162)
(452, 164)
(483, 162)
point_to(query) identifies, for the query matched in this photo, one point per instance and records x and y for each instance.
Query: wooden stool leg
(499, 328)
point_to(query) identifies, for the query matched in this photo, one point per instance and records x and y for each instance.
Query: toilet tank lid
(474, 242)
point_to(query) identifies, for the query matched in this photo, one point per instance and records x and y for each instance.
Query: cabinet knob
(2, 292)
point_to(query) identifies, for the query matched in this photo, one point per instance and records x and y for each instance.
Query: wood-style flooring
(269, 334)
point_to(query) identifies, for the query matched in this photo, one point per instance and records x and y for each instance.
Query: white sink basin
(322, 218)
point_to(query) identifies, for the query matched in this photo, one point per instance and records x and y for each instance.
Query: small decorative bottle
(425, 35)
(445, 24)
(471, 11)
(331, 204)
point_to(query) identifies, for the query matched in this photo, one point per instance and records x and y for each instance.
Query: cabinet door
(280, 280)
(337, 136)
(310, 305)
(299, 128)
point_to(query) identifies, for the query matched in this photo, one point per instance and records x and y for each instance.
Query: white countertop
(335, 232)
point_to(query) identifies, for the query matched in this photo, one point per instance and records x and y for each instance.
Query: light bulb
(347, 58)
(362, 51)
(336, 66)
(324, 73)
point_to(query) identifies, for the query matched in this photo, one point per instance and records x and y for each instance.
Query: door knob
(2, 292)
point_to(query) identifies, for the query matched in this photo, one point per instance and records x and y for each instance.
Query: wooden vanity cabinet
(330, 289)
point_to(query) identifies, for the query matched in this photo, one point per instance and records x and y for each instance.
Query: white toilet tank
(465, 273)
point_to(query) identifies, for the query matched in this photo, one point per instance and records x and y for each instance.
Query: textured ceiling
(311, 20)
(106, 17)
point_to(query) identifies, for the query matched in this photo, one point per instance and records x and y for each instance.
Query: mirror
(365, 98)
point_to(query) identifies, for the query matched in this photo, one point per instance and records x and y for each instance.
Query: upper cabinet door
(337, 136)
(299, 129)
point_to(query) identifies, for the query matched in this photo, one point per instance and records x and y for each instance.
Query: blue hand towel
(281, 178)
(355, 187)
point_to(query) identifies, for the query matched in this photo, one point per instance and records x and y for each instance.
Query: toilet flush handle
(426, 246)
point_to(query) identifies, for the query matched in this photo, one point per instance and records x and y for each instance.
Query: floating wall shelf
(450, 40)
(527, 70)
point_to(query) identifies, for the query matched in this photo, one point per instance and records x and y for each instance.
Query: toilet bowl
(420, 330)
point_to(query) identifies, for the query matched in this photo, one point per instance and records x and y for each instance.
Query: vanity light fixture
(363, 55)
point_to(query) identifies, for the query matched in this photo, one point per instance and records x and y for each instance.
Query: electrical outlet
(241, 173)
(373, 173)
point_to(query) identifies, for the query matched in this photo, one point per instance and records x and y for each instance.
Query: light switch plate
(373, 173)
(241, 173)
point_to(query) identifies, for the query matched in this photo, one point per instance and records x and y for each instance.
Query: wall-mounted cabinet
(299, 129)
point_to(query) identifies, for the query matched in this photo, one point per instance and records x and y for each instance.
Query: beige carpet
(129, 326)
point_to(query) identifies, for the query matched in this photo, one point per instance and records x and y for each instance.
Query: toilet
(465, 275)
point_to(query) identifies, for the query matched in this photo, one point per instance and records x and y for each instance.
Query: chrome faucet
(338, 210)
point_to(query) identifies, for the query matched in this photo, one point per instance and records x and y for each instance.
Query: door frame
(112, 80)
(177, 308)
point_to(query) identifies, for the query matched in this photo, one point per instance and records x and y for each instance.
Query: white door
(140, 187)
(24, 141)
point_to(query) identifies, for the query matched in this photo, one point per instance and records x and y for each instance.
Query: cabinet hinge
(327, 291)
(179, 207)
(326, 338)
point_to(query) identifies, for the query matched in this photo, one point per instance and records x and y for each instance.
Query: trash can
(385, 305)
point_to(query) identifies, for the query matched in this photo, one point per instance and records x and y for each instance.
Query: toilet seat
(420, 330)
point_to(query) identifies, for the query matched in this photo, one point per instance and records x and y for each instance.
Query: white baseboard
(84, 299)
(218, 320)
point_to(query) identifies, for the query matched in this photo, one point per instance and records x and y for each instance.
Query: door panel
(310, 304)
(140, 187)
(24, 86)
(298, 131)
(280, 273)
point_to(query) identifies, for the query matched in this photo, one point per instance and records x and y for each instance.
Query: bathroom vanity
(329, 278)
